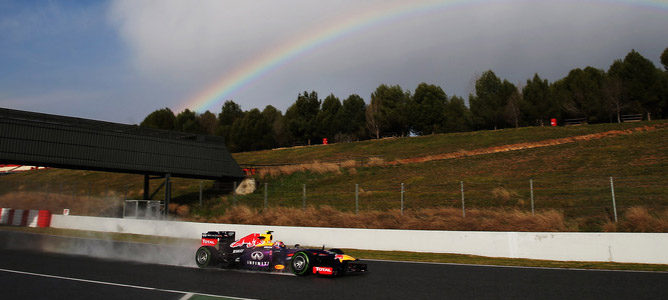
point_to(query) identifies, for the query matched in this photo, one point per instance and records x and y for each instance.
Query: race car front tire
(300, 264)
(206, 256)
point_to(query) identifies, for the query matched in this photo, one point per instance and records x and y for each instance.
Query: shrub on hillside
(428, 219)
(640, 219)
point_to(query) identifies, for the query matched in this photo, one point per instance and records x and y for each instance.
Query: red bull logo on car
(250, 241)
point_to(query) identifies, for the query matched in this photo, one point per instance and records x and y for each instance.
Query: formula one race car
(258, 252)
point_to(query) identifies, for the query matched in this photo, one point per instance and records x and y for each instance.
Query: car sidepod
(257, 258)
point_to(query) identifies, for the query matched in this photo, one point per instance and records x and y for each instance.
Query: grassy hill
(570, 168)
(396, 148)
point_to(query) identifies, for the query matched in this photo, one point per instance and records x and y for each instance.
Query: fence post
(357, 192)
(265, 195)
(200, 193)
(531, 187)
(614, 205)
(304, 196)
(402, 198)
(87, 206)
(463, 207)
(168, 193)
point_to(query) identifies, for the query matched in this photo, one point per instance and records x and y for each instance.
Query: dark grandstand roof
(30, 138)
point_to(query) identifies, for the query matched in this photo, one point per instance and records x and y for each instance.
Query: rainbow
(255, 68)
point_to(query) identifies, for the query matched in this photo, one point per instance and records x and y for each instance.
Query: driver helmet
(279, 244)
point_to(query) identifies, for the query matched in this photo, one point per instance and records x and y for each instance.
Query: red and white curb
(23, 217)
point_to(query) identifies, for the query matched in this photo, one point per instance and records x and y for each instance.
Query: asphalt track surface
(31, 267)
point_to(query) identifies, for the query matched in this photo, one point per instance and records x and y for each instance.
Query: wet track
(28, 272)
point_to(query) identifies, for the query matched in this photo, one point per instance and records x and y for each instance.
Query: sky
(120, 60)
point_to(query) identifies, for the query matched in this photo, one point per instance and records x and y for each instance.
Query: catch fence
(574, 196)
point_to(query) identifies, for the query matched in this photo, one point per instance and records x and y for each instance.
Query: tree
(664, 84)
(372, 116)
(328, 124)
(208, 122)
(642, 83)
(252, 132)
(663, 91)
(387, 111)
(160, 119)
(229, 113)
(300, 118)
(581, 95)
(457, 116)
(186, 121)
(352, 119)
(538, 104)
(490, 100)
(613, 91)
(275, 118)
(512, 109)
(427, 109)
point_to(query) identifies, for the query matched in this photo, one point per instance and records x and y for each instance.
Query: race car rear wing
(214, 238)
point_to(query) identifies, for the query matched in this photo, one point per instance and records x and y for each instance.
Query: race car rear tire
(206, 256)
(300, 264)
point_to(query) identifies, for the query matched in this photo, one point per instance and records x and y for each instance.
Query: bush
(428, 219)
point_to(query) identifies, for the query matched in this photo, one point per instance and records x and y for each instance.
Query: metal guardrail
(631, 118)
(576, 121)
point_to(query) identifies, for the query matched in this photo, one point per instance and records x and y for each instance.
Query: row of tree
(630, 86)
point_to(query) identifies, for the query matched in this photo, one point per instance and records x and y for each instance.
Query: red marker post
(553, 122)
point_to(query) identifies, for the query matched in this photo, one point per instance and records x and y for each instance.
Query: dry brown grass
(179, 210)
(315, 167)
(501, 193)
(431, 219)
(105, 205)
(640, 219)
(375, 161)
(348, 164)
(172, 207)
(183, 210)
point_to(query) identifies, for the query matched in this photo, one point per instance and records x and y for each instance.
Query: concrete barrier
(561, 246)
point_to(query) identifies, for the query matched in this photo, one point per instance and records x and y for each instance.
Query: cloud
(191, 45)
(210, 36)
(122, 59)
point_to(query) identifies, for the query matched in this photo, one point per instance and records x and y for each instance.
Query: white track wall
(562, 246)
